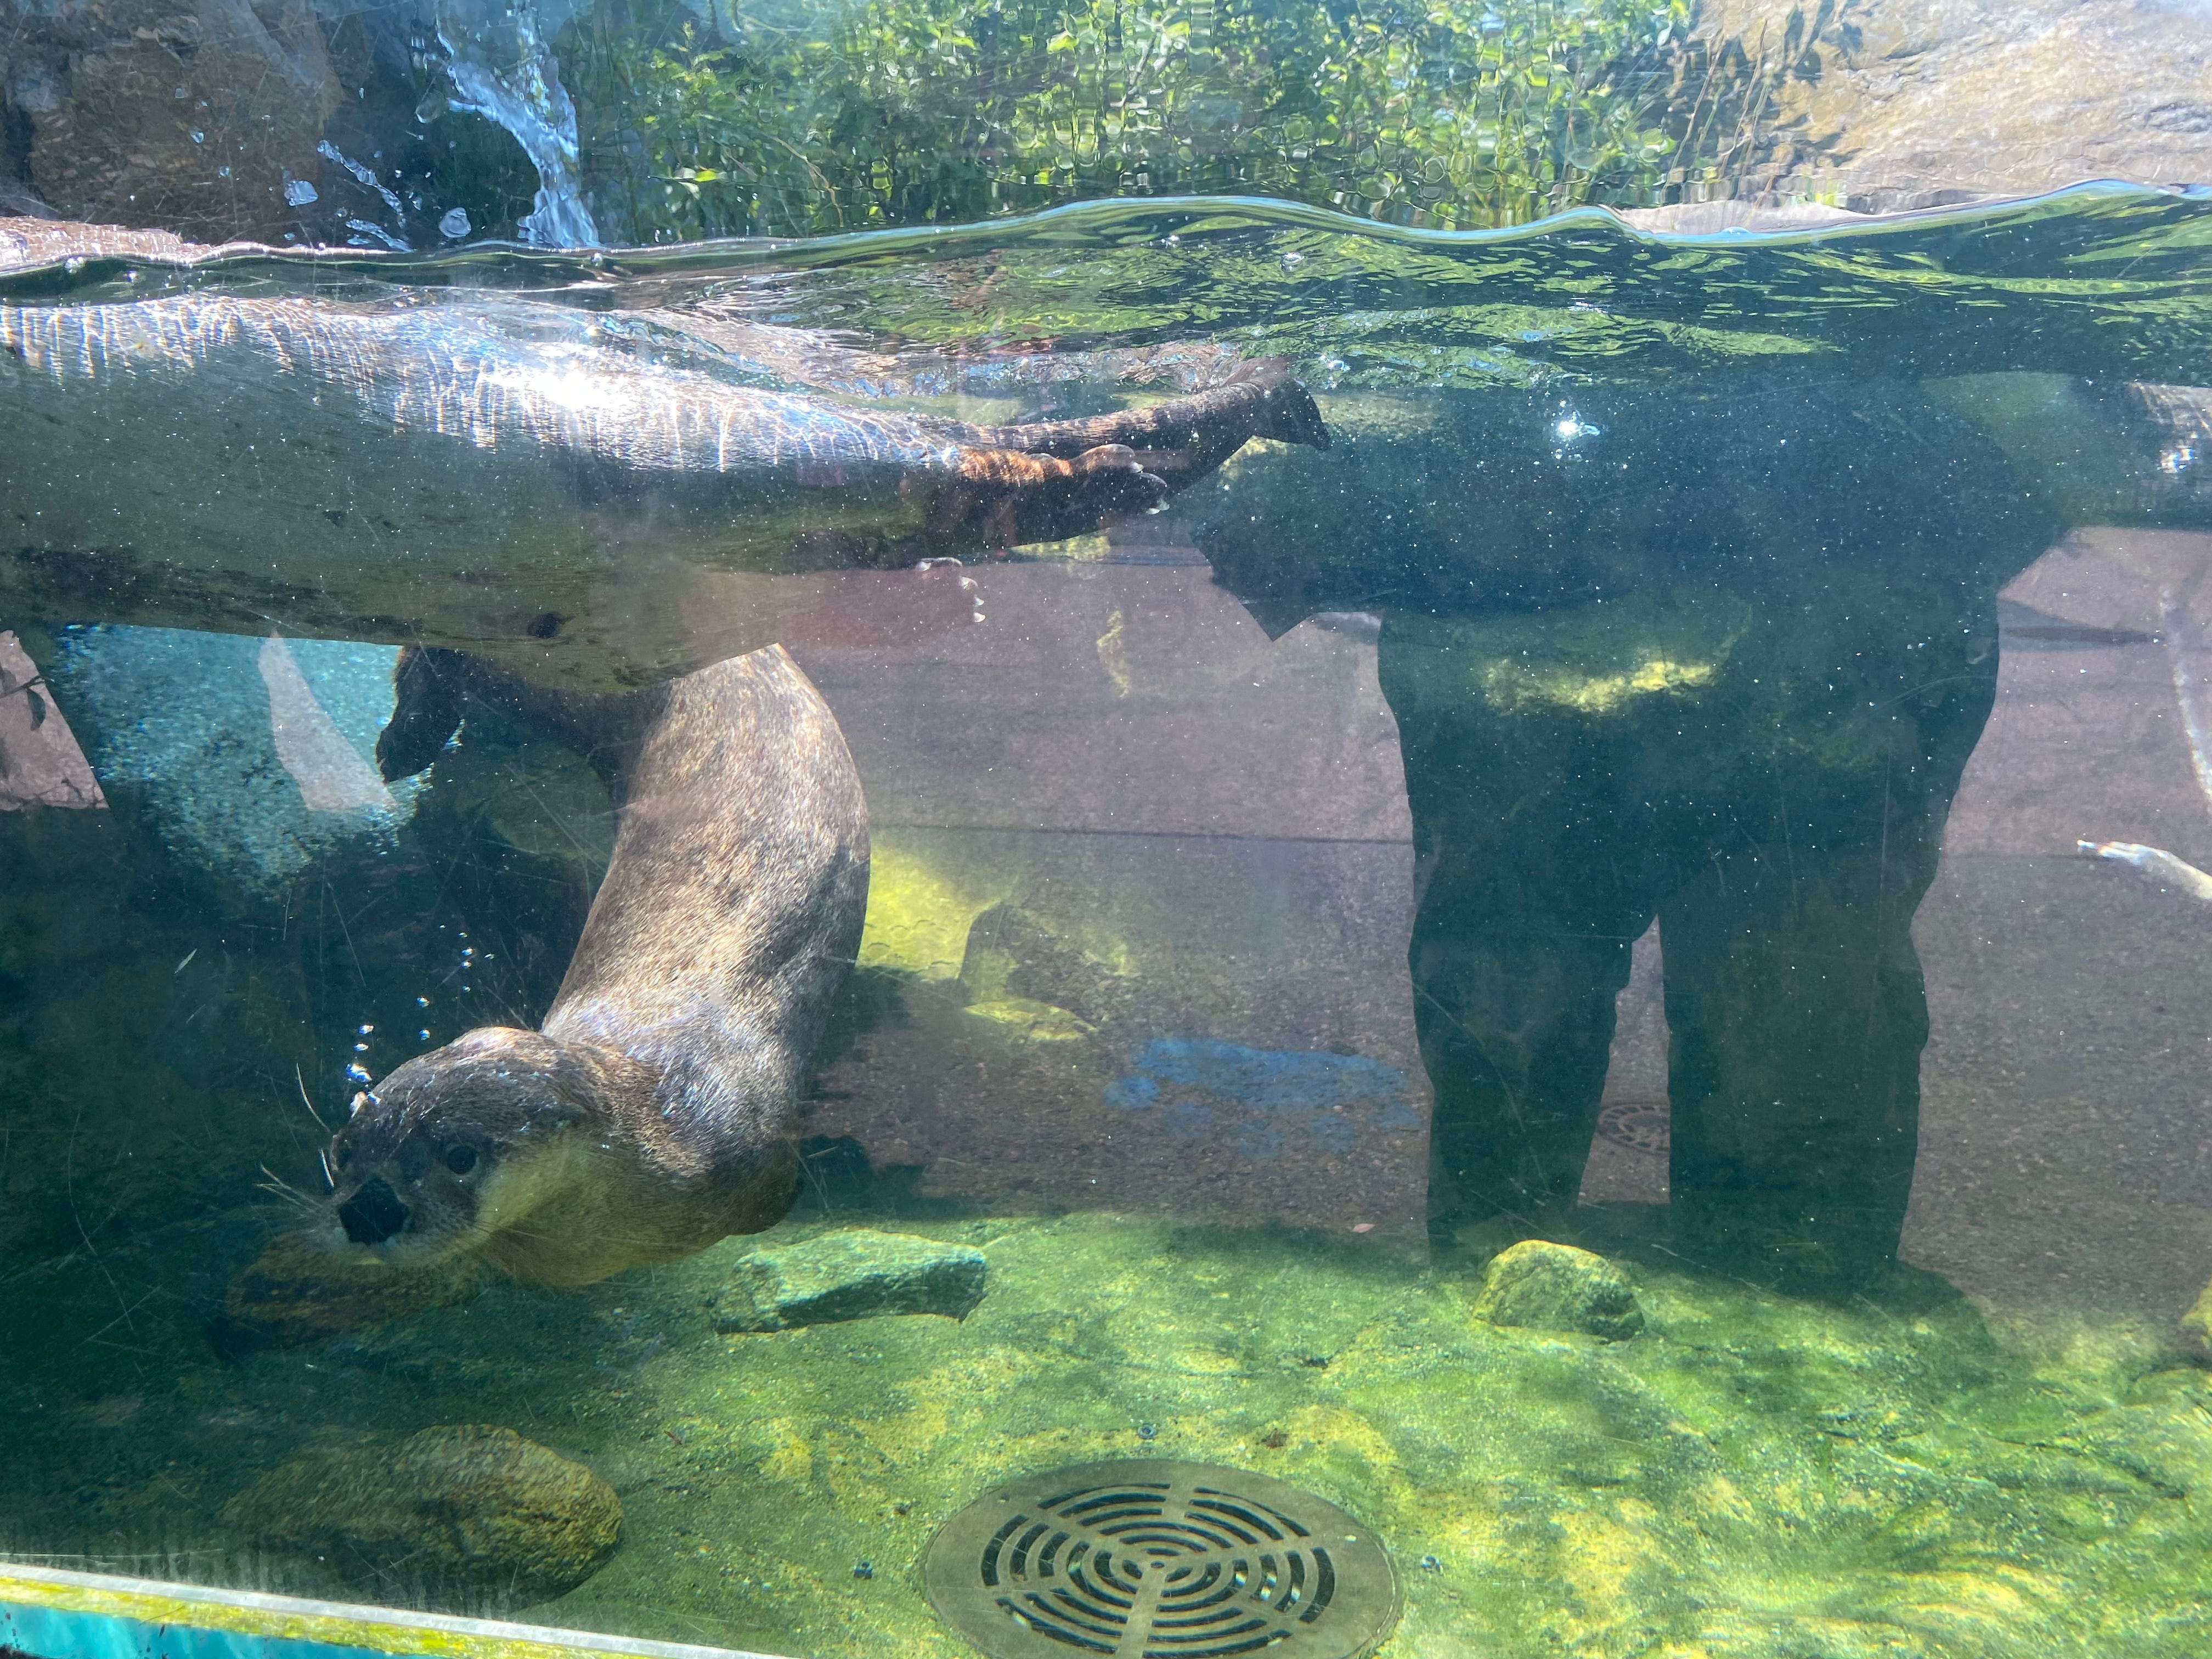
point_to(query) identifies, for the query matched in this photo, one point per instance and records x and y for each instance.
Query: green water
(1260, 941)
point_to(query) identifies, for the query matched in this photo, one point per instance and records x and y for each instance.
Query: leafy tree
(897, 111)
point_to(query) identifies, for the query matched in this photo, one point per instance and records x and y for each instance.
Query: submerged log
(593, 498)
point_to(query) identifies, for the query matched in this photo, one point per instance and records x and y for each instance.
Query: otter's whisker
(285, 1190)
(306, 1102)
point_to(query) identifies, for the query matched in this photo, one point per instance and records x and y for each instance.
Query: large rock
(1015, 957)
(1891, 103)
(454, 1509)
(1556, 1287)
(41, 763)
(856, 1273)
(300, 120)
(196, 115)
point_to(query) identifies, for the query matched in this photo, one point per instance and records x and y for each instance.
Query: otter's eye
(460, 1159)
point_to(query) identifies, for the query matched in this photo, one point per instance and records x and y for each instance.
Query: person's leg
(1796, 1010)
(1797, 1016)
(1530, 875)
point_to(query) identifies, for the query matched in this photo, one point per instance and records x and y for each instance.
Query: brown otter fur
(1051, 479)
(651, 1115)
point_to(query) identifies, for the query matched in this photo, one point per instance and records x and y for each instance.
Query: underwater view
(918, 829)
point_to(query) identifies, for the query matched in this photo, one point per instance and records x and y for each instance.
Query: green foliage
(898, 112)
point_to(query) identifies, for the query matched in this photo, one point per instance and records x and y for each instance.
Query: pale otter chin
(653, 1114)
(518, 1148)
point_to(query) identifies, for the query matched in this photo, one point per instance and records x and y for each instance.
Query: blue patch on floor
(1187, 1086)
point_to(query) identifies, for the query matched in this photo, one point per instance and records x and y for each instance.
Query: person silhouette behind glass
(1717, 657)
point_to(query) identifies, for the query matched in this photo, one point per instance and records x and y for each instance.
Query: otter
(651, 1113)
(650, 1116)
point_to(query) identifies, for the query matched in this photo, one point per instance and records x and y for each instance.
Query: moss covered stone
(451, 1508)
(854, 1274)
(1556, 1287)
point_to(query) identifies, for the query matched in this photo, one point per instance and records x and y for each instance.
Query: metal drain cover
(1146, 1560)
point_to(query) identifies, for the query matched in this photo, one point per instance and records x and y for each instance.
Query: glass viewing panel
(776, 767)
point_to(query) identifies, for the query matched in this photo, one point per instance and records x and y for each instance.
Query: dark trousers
(1781, 817)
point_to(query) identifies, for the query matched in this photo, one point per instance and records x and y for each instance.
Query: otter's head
(462, 1142)
(1287, 412)
(1290, 416)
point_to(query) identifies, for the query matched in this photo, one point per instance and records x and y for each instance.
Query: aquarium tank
(1106, 828)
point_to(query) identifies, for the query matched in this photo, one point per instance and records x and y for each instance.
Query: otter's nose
(372, 1214)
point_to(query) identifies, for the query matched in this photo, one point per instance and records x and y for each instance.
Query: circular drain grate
(1147, 1560)
(1642, 1126)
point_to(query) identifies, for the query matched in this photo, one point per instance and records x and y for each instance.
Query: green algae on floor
(1750, 1477)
